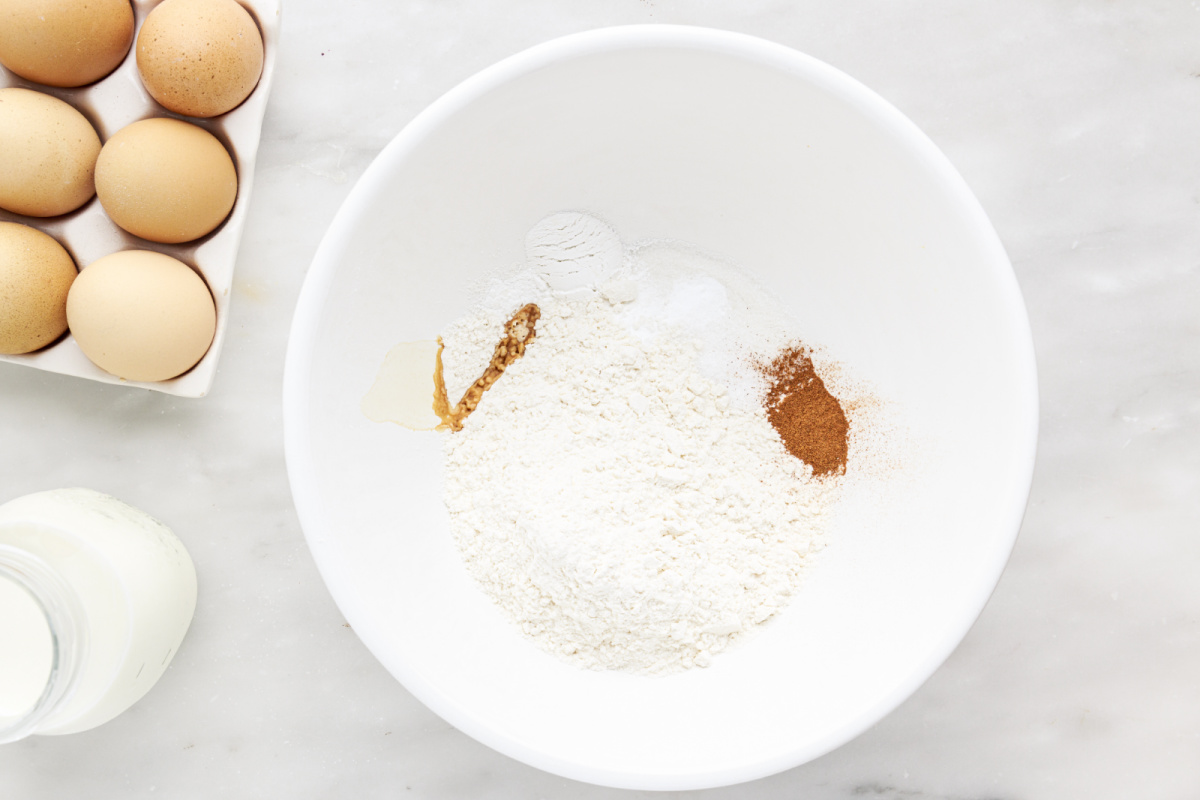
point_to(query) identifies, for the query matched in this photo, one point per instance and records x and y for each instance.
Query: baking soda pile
(618, 493)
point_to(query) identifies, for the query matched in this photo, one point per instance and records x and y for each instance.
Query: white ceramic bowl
(830, 197)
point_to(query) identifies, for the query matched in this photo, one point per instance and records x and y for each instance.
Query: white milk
(120, 590)
(27, 652)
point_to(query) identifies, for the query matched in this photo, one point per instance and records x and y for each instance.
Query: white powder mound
(682, 291)
(571, 252)
(609, 497)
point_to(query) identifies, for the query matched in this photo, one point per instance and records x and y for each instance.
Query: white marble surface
(1075, 124)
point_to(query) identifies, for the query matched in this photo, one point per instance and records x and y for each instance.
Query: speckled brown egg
(166, 180)
(199, 58)
(47, 154)
(141, 315)
(35, 275)
(64, 42)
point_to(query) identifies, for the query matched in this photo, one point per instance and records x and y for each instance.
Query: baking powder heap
(612, 500)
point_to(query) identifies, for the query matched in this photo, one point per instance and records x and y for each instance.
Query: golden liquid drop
(409, 389)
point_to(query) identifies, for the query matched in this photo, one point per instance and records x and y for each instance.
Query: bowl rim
(302, 338)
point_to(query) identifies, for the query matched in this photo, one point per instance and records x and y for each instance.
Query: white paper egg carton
(88, 234)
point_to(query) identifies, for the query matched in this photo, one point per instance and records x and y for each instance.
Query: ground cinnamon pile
(809, 420)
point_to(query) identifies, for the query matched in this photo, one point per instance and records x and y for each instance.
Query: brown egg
(199, 58)
(47, 154)
(64, 42)
(35, 275)
(166, 180)
(141, 315)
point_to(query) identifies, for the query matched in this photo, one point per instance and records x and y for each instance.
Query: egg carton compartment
(88, 234)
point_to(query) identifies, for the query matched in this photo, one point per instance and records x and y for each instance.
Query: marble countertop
(1075, 125)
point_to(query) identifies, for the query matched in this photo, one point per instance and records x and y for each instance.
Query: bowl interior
(829, 197)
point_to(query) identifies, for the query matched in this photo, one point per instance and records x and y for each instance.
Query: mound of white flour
(611, 499)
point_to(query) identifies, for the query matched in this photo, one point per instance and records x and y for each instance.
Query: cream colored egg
(166, 180)
(64, 42)
(141, 315)
(47, 154)
(199, 58)
(35, 275)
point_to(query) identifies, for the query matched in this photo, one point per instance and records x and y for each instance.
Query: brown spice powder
(809, 420)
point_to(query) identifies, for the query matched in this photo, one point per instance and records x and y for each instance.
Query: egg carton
(88, 234)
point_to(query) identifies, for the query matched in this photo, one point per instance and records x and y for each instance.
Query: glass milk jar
(95, 598)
